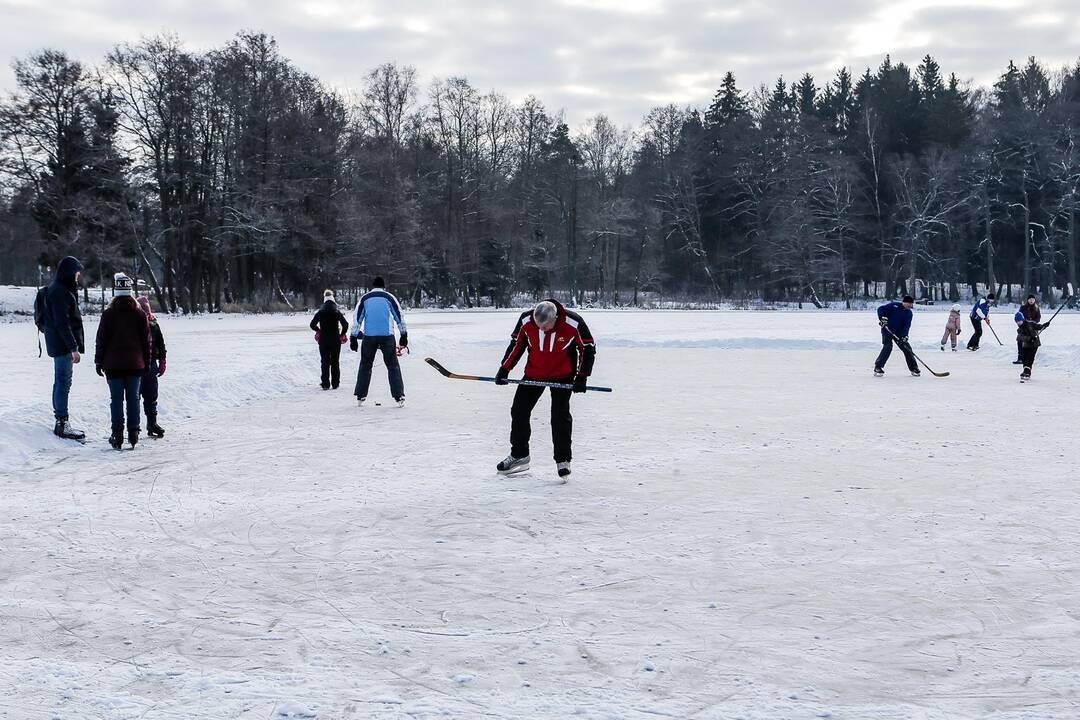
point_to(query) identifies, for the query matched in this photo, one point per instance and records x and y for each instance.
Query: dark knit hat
(378, 282)
(122, 285)
(908, 299)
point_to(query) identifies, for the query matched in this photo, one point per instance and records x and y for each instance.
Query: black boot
(133, 436)
(152, 428)
(62, 430)
(117, 440)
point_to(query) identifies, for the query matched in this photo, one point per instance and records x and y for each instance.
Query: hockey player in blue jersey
(980, 313)
(372, 332)
(895, 321)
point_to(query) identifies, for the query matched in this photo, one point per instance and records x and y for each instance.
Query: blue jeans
(121, 390)
(149, 391)
(61, 385)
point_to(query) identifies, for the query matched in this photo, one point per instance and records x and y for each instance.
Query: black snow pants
(369, 347)
(562, 422)
(330, 357)
(976, 335)
(886, 350)
(1027, 354)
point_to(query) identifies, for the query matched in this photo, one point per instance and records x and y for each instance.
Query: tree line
(232, 178)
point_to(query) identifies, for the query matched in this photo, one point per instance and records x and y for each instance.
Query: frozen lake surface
(755, 527)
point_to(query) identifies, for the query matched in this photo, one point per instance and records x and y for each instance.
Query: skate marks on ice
(766, 546)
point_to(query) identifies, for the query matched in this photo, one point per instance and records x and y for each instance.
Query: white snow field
(755, 528)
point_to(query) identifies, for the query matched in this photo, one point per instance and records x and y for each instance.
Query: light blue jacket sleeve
(358, 317)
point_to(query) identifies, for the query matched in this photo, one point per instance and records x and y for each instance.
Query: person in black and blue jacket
(980, 313)
(895, 321)
(1028, 326)
(373, 331)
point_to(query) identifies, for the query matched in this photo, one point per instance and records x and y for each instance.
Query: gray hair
(545, 312)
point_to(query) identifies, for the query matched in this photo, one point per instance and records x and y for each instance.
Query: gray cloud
(615, 56)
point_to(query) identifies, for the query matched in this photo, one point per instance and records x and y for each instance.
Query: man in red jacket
(561, 349)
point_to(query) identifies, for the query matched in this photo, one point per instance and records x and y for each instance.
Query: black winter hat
(378, 282)
(908, 299)
(1032, 297)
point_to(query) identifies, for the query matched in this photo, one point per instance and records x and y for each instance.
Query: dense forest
(231, 178)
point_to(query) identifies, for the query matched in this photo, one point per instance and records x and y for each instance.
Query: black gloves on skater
(353, 344)
(501, 376)
(579, 383)
(404, 341)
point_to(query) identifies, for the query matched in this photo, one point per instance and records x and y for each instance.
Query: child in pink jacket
(952, 328)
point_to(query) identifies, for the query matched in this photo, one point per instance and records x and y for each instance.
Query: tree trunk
(991, 280)
(1027, 237)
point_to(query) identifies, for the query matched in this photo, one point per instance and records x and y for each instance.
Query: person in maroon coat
(122, 355)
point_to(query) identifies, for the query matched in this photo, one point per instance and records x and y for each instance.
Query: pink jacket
(953, 323)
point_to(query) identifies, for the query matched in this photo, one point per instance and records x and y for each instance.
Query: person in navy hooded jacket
(64, 340)
(895, 321)
(373, 331)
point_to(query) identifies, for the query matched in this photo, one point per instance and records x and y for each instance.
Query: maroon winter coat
(123, 339)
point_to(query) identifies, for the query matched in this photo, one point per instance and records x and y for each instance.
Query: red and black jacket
(566, 352)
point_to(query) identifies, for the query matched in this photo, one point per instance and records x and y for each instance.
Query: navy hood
(65, 271)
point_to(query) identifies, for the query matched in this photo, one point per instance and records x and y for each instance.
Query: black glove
(404, 341)
(1044, 325)
(883, 321)
(500, 377)
(353, 344)
(99, 371)
(579, 383)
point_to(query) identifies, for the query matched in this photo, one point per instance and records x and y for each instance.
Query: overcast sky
(621, 57)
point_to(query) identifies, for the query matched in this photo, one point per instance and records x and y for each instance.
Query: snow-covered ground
(755, 528)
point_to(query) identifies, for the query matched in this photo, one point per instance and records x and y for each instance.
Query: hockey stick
(987, 321)
(1064, 302)
(1060, 308)
(537, 383)
(901, 343)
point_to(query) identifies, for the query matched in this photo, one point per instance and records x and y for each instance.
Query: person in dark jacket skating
(372, 332)
(122, 355)
(64, 340)
(560, 349)
(1029, 311)
(330, 327)
(1028, 328)
(895, 321)
(148, 386)
(980, 313)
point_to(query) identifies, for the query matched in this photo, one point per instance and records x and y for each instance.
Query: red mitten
(317, 335)
(343, 339)
(161, 368)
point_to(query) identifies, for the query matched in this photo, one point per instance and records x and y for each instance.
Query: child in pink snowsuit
(952, 328)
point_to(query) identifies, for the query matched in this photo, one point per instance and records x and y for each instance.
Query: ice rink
(755, 528)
